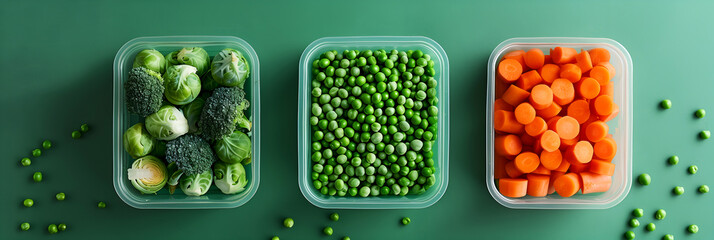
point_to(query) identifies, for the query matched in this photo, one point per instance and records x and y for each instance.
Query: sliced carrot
(598, 55)
(526, 162)
(602, 167)
(601, 74)
(538, 185)
(584, 61)
(518, 55)
(567, 185)
(605, 149)
(554, 175)
(549, 141)
(603, 105)
(549, 112)
(564, 166)
(499, 104)
(541, 97)
(525, 113)
(512, 171)
(581, 152)
(562, 55)
(509, 70)
(567, 127)
(534, 58)
(610, 68)
(515, 95)
(505, 121)
(593, 183)
(580, 110)
(549, 72)
(499, 166)
(613, 114)
(571, 72)
(551, 160)
(588, 88)
(528, 80)
(608, 89)
(512, 187)
(596, 131)
(536, 127)
(507, 145)
(563, 91)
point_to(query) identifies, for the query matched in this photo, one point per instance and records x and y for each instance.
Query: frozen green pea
(638, 212)
(37, 152)
(334, 217)
(678, 190)
(275, 238)
(660, 214)
(62, 226)
(37, 176)
(651, 227)
(629, 235)
(364, 191)
(327, 231)
(52, 228)
(644, 179)
(288, 222)
(634, 223)
(346, 238)
(60, 196)
(705, 134)
(101, 205)
(693, 228)
(700, 113)
(25, 226)
(46, 144)
(26, 162)
(28, 202)
(406, 221)
(668, 237)
(666, 104)
(703, 189)
(693, 169)
(673, 160)
(76, 134)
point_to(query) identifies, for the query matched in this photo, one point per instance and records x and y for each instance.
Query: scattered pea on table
(703, 189)
(288, 222)
(346, 238)
(25, 226)
(76, 134)
(101, 205)
(630, 235)
(46, 144)
(327, 231)
(660, 214)
(60, 196)
(651, 227)
(693, 169)
(84, 127)
(638, 212)
(666, 104)
(62, 227)
(668, 237)
(693, 228)
(634, 223)
(406, 221)
(705, 134)
(25, 162)
(37, 152)
(28, 202)
(700, 113)
(673, 160)
(644, 179)
(37, 176)
(678, 190)
(52, 228)
(334, 217)
(275, 238)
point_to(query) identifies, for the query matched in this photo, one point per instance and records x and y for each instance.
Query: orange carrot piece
(536, 127)
(605, 149)
(564, 166)
(526, 162)
(507, 145)
(563, 91)
(541, 97)
(525, 113)
(551, 122)
(541, 170)
(603, 105)
(571, 72)
(549, 72)
(499, 104)
(581, 152)
(518, 55)
(515, 95)
(598, 55)
(551, 160)
(601, 74)
(588, 88)
(549, 112)
(549, 141)
(567, 185)
(505, 121)
(580, 110)
(509, 70)
(584, 61)
(537, 185)
(596, 131)
(512, 171)
(610, 68)
(608, 89)
(613, 114)
(554, 175)
(567, 127)
(514, 188)
(562, 55)
(534, 58)
(602, 167)
(593, 183)
(528, 80)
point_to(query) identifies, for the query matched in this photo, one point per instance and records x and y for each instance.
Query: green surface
(56, 58)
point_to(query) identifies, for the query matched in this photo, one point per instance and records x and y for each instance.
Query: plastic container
(620, 127)
(441, 146)
(122, 120)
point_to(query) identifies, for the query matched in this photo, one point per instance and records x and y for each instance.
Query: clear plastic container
(441, 147)
(620, 127)
(122, 120)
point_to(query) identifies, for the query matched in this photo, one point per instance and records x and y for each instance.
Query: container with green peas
(373, 122)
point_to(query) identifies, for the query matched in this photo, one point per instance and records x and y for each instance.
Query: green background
(56, 73)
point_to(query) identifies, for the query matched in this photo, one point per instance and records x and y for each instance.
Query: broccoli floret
(144, 91)
(222, 112)
(191, 154)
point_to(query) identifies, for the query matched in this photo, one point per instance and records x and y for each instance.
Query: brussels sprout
(233, 148)
(197, 184)
(137, 141)
(151, 59)
(195, 56)
(148, 174)
(229, 178)
(229, 68)
(181, 84)
(192, 112)
(167, 124)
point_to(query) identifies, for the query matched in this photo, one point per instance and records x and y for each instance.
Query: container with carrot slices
(559, 123)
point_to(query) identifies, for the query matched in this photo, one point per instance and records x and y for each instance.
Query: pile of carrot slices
(550, 118)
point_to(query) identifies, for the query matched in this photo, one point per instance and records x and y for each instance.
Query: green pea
(25, 162)
(666, 104)
(101, 205)
(52, 228)
(703, 189)
(693, 169)
(364, 191)
(37, 176)
(660, 214)
(25, 226)
(406, 221)
(288, 222)
(651, 227)
(705, 134)
(668, 237)
(638, 212)
(37, 152)
(644, 179)
(28, 202)
(46, 144)
(327, 231)
(76, 134)
(629, 235)
(700, 113)
(673, 160)
(275, 238)
(634, 223)
(62, 226)
(678, 190)
(334, 217)
(346, 238)
(693, 228)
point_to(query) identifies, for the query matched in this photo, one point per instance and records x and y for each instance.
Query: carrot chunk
(598, 55)
(571, 72)
(514, 188)
(515, 95)
(580, 110)
(584, 61)
(562, 55)
(563, 91)
(537, 185)
(507, 145)
(602, 167)
(509, 70)
(593, 183)
(526, 162)
(528, 80)
(549, 72)
(525, 113)
(567, 185)
(541, 97)
(588, 88)
(551, 160)
(581, 152)
(505, 121)
(536, 127)
(605, 149)
(534, 58)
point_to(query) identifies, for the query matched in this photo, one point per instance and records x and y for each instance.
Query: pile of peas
(374, 122)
